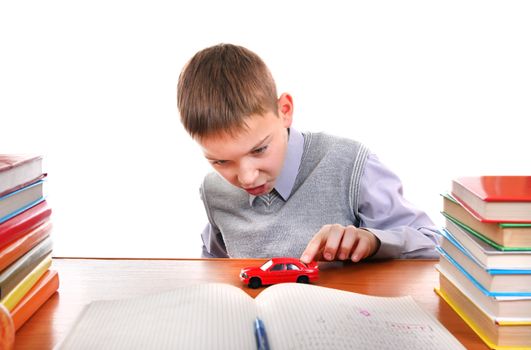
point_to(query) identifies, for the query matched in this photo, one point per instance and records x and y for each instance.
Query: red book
(10, 253)
(17, 170)
(495, 198)
(19, 225)
(45, 287)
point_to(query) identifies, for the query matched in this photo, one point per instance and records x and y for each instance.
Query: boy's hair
(220, 87)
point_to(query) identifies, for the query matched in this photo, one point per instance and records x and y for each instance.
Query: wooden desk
(84, 280)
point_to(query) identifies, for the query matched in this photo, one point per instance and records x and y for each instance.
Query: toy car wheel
(255, 282)
(303, 279)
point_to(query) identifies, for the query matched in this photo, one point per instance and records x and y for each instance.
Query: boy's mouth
(256, 191)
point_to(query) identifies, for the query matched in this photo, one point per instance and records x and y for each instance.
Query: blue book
(493, 281)
(20, 200)
(517, 288)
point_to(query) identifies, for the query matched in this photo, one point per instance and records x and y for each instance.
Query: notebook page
(206, 316)
(300, 316)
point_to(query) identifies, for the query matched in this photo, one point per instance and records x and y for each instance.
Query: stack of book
(26, 281)
(485, 265)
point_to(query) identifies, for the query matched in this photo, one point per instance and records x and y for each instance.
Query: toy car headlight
(244, 275)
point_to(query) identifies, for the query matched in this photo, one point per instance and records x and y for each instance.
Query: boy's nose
(247, 177)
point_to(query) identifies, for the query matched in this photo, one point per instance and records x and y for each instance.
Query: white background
(436, 89)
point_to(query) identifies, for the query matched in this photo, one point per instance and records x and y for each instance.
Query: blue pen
(261, 336)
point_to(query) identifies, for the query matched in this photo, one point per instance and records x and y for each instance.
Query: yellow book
(513, 336)
(14, 296)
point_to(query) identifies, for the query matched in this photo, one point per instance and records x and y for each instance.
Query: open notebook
(221, 316)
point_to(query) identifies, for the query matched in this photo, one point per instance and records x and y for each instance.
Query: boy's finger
(362, 249)
(312, 248)
(333, 240)
(347, 242)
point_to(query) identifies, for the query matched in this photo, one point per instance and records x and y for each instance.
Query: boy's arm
(404, 231)
(213, 244)
(389, 226)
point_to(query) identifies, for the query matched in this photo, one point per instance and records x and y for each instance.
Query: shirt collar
(290, 169)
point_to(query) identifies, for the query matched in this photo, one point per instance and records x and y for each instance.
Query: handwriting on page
(363, 328)
(348, 321)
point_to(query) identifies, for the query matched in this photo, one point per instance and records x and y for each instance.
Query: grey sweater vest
(326, 191)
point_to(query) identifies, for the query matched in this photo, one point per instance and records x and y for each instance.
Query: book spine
(18, 226)
(22, 209)
(12, 299)
(16, 249)
(25, 184)
(35, 298)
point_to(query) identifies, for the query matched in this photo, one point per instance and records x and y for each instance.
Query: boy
(278, 192)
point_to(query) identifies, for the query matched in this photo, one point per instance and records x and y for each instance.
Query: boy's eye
(260, 150)
(218, 162)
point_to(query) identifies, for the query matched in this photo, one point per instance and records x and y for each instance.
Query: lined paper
(299, 316)
(207, 316)
(221, 316)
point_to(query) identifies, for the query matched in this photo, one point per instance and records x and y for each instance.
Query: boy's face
(253, 158)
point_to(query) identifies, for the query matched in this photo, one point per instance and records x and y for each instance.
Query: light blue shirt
(401, 228)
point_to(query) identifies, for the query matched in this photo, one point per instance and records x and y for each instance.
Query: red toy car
(279, 270)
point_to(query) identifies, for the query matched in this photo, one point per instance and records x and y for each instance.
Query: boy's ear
(285, 109)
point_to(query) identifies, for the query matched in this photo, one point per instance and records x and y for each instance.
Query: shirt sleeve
(403, 230)
(213, 244)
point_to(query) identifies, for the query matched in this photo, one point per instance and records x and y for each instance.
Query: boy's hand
(340, 242)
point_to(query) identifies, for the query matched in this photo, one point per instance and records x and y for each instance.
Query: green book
(504, 236)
